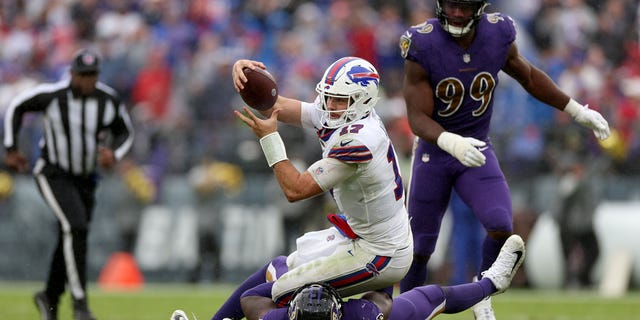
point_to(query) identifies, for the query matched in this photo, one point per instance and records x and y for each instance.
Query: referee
(78, 115)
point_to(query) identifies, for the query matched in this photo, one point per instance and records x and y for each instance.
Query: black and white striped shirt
(73, 125)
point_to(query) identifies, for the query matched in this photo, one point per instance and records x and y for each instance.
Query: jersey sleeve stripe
(351, 154)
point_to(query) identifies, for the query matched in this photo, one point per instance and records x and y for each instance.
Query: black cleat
(46, 309)
(81, 311)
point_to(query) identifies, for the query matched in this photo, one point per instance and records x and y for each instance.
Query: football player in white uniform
(373, 248)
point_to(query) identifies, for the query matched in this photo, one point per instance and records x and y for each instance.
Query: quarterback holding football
(373, 248)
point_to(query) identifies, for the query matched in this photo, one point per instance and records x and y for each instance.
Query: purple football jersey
(463, 80)
(463, 83)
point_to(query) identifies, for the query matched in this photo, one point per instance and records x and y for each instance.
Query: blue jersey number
(391, 157)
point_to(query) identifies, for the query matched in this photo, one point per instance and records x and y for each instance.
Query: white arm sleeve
(328, 172)
(309, 116)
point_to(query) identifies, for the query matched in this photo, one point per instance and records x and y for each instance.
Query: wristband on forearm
(573, 108)
(448, 141)
(273, 148)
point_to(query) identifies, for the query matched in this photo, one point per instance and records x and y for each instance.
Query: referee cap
(85, 60)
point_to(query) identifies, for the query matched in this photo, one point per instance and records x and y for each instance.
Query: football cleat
(83, 314)
(81, 310)
(506, 265)
(483, 310)
(46, 309)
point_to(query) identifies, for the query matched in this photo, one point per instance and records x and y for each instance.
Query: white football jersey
(372, 199)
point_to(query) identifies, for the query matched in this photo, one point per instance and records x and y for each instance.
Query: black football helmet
(456, 31)
(315, 301)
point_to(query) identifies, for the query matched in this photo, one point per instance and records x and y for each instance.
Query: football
(261, 90)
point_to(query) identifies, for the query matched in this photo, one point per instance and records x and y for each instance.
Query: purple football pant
(434, 174)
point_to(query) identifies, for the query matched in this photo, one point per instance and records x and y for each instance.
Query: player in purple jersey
(320, 301)
(451, 71)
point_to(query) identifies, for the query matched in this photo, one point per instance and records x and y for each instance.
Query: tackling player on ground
(320, 301)
(358, 167)
(451, 72)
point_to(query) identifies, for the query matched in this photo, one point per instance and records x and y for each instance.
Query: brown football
(261, 90)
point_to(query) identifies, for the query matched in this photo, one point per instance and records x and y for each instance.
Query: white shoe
(483, 310)
(507, 263)
(179, 315)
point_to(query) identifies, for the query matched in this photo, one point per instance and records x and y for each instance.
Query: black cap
(85, 61)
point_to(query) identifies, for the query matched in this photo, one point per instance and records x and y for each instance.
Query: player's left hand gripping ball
(261, 90)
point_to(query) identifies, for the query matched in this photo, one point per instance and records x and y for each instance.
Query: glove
(588, 118)
(465, 149)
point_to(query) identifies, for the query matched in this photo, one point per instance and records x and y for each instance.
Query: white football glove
(589, 118)
(464, 149)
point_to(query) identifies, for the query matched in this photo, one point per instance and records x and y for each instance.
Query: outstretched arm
(295, 185)
(535, 81)
(540, 85)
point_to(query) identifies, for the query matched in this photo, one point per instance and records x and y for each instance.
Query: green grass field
(157, 301)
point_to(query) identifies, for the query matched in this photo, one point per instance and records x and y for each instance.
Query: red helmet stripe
(333, 71)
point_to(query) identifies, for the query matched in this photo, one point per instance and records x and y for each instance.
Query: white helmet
(353, 78)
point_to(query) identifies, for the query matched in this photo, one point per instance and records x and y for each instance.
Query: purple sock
(427, 301)
(415, 277)
(490, 250)
(465, 296)
(231, 308)
(418, 303)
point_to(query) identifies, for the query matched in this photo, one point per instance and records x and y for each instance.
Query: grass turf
(157, 301)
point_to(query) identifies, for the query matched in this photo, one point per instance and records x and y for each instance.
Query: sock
(419, 303)
(231, 308)
(428, 301)
(490, 250)
(465, 296)
(415, 277)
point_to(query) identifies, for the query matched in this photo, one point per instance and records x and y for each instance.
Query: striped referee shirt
(73, 125)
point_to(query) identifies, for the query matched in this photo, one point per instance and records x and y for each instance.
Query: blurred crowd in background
(171, 59)
(171, 62)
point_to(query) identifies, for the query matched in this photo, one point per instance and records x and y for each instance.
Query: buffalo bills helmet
(477, 6)
(353, 78)
(315, 301)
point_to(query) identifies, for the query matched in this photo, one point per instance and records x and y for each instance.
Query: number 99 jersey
(463, 80)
